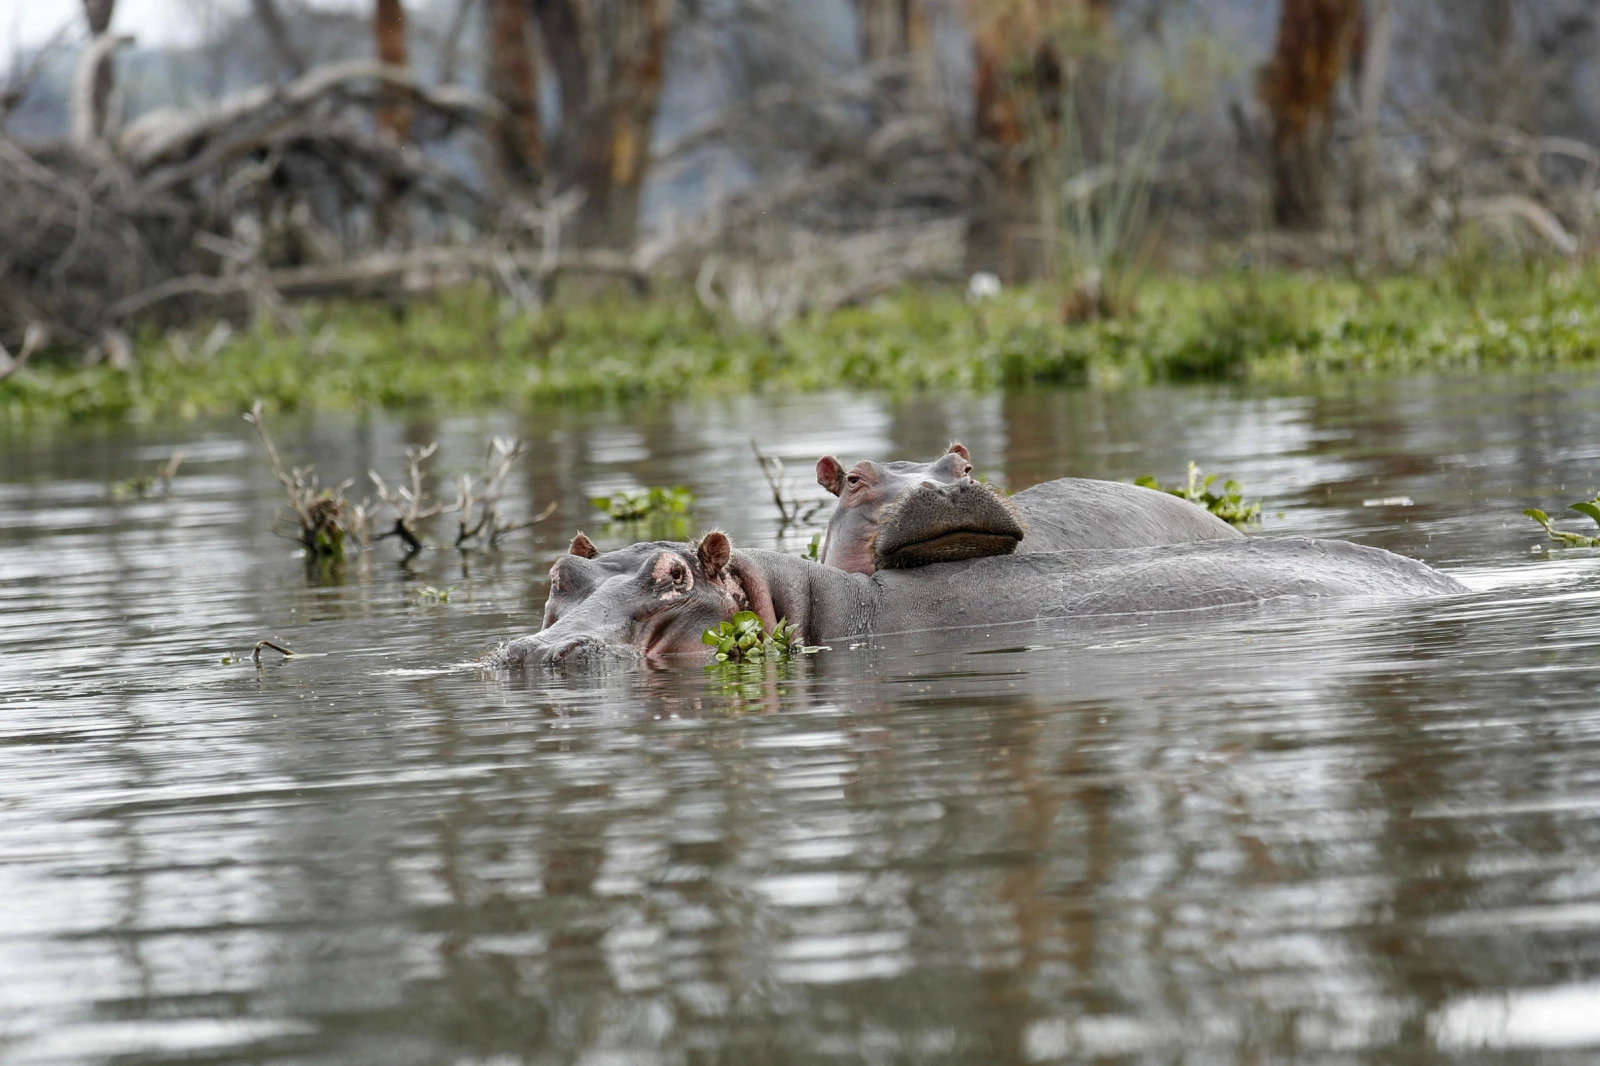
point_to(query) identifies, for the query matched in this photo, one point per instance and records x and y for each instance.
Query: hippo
(584, 568)
(654, 601)
(904, 514)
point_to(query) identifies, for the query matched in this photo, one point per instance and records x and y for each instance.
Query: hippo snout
(936, 522)
(574, 652)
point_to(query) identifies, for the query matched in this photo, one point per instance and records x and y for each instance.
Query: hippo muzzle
(941, 523)
(567, 652)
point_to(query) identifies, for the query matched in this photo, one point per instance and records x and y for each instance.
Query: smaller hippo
(904, 514)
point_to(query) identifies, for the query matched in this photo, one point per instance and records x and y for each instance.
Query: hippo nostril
(574, 649)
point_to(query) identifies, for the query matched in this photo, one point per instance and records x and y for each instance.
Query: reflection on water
(1353, 833)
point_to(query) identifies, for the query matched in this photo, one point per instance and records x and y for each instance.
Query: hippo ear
(959, 449)
(714, 551)
(830, 474)
(582, 547)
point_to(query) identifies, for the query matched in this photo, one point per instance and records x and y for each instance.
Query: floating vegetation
(324, 517)
(638, 505)
(744, 640)
(429, 594)
(1228, 505)
(157, 484)
(1590, 509)
(458, 351)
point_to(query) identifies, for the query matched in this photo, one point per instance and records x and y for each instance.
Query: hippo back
(1077, 513)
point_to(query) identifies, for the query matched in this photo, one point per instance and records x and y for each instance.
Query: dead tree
(389, 39)
(897, 29)
(1315, 44)
(186, 205)
(610, 62)
(1019, 70)
(288, 56)
(98, 109)
(513, 79)
(393, 115)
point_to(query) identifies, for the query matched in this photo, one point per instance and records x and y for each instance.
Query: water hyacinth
(1228, 505)
(462, 351)
(742, 639)
(1588, 508)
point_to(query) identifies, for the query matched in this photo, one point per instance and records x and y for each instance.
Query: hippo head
(575, 576)
(901, 514)
(645, 601)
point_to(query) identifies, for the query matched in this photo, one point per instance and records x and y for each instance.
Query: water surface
(1354, 833)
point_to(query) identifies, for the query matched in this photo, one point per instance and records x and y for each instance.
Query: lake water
(1342, 833)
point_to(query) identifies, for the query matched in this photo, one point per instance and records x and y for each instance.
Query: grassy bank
(461, 352)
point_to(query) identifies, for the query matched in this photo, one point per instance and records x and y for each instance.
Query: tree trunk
(1316, 40)
(289, 59)
(896, 29)
(513, 79)
(393, 116)
(609, 59)
(389, 38)
(1373, 75)
(98, 13)
(1017, 78)
(569, 48)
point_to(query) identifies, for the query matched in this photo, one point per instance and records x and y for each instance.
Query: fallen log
(421, 271)
(170, 135)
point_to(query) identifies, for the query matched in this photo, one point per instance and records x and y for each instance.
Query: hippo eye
(853, 479)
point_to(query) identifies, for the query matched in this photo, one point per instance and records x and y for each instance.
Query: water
(1363, 833)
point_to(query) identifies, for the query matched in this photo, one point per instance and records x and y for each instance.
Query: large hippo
(902, 514)
(656, 600)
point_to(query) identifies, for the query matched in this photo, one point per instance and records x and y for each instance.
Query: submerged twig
(791, 511)
(256, 655)
(324, 515)
(409, 502)
(479, 503)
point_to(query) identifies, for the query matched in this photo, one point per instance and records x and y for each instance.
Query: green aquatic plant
(637, 505)
(743, 639)
(322, 514)
(466, 350)
(1590, 509)
(1228, 505)
(429, 594)
(157, 484)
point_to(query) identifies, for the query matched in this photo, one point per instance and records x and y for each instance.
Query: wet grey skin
(906, 514)
(655, 600)
(575, 575)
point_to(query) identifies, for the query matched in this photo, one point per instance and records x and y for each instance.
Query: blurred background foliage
(326, 177)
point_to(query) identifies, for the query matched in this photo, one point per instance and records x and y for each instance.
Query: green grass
(460, 352)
